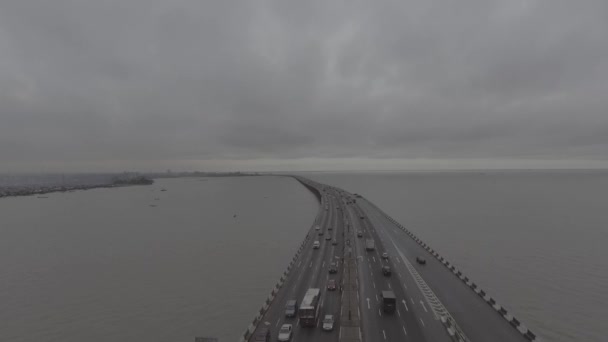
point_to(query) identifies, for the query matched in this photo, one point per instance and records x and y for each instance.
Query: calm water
(536, 241)
(103, 265)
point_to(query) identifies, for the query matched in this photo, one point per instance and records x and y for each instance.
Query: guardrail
(529, 335)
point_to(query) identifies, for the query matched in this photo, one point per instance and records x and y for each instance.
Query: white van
(316, 245)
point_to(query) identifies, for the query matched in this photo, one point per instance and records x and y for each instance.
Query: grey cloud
(94, 81)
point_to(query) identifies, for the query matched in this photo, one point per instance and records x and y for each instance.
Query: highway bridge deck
(435, 301)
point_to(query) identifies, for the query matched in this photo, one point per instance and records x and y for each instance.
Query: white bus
(309, 308)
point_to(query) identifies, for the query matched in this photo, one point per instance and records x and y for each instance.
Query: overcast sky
(191, 84)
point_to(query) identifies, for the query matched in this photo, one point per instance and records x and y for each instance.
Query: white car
(316, 245)
(328, 323)
(285, 332)
(317, 227)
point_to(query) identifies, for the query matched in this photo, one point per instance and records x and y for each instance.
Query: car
(386, 270)
(384, 255)
(321, 233)
(334, 243)
(285, 332)
(333, 268)
(331, 285)
(317, 228)
(316, 245)
(291, 308)
(328, 323)
(359, 234)
(328, 237)
(362, 217)
(420, 260)
(262, 335)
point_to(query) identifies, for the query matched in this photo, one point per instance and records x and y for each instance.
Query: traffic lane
(292, 287)
(411, 321)
(377, 325)
(318, 279)
(415, 302)
(369, 322)
(468, 309)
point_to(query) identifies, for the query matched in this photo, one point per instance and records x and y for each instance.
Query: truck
(389, 301)
(369, 245)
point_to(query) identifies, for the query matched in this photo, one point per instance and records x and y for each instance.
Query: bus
(309, 308)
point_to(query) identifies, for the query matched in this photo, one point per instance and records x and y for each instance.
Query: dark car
(320, 233)
(362, 217)
(420, 260)
(385, 256)
(359, 234)
(331, 285)
(328, 237)
(386, 270)
(291, 308)
(334, 243)
(262, 335)
(333, 268)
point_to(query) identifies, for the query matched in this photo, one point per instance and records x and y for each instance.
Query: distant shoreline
(38, 190)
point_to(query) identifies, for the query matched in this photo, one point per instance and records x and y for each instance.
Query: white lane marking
(398, 313)
(377, 300)
(300, 263)
(403, 283)
(278, 320)
(404, 304)
(310, 265)
(368, 304)
(389, 286)
(374, 283)
(321, 303)
(380, 312)
(424, 307)
(412, 300)
(323, 265)
(383, 333)
(422, 322)
(375, 261)
(405, 332)
(297, 323)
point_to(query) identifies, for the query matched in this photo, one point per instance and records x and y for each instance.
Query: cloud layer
(148, 80)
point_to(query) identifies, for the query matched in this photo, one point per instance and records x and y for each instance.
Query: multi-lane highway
(311, 270)
(432, 304)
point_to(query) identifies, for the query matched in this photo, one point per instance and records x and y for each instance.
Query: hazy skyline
(263, 85)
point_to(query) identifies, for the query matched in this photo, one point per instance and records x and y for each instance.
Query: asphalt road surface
(416, 317)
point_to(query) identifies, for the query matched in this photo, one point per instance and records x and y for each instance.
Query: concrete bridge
(434, 301)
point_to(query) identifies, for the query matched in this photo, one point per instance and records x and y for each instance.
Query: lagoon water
(140, 264)
(105, 265)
